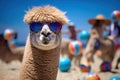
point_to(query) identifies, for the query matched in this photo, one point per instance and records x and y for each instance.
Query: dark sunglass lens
(55, 27)
(36, 26)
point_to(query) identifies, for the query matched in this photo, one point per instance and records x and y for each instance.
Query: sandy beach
(11, 71)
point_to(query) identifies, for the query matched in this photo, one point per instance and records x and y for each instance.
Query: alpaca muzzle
(45, 37)
(46, 40)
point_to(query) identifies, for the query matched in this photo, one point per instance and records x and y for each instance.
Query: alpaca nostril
(46, 34)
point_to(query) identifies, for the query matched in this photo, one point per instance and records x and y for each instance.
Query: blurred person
(72, 32)
(115, 32)
(97, 44)
(11, 36)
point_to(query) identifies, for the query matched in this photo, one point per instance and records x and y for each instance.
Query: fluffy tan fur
(45, 14)
(9, 54)
(40, 64)
(107, 46)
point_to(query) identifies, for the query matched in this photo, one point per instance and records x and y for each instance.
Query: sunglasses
(37, 26)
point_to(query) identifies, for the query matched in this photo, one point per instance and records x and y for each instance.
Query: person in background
(72, 32)
(115, 32)
(11, 36)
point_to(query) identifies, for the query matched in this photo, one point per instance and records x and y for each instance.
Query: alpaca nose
(45, 30)
(46, 34)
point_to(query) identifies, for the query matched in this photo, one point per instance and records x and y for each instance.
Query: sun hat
(101, 18)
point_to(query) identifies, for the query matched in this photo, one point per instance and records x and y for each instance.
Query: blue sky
(78, 11)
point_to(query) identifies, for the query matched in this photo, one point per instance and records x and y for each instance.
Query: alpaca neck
(39, 64)
(5, 51)
(90, 46)
(4, 45)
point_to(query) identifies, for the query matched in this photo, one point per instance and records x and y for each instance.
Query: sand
(11, 71)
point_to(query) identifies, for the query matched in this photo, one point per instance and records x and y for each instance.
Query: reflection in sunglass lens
(55, 27)
(36, 26)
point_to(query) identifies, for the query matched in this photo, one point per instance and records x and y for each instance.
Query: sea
(20, 44)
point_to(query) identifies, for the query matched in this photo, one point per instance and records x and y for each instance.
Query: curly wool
(45, 14)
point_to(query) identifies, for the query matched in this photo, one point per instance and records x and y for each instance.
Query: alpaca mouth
(46, 40)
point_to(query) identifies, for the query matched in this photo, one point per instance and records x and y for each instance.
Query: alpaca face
(96, 32)
(45, 38)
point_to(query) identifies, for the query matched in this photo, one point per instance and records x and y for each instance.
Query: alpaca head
(96, 31)
(45, 38)
(45, 26)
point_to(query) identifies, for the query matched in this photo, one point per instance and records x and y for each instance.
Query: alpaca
(106, 47)
(20, 50)
(97, 42)
(41, 56)
(8, 54)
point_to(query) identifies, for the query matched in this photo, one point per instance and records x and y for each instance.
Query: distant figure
(11, 36)
(98, 42)
(8, 54)
(115, 32)
(116, 35)
(72, 32)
